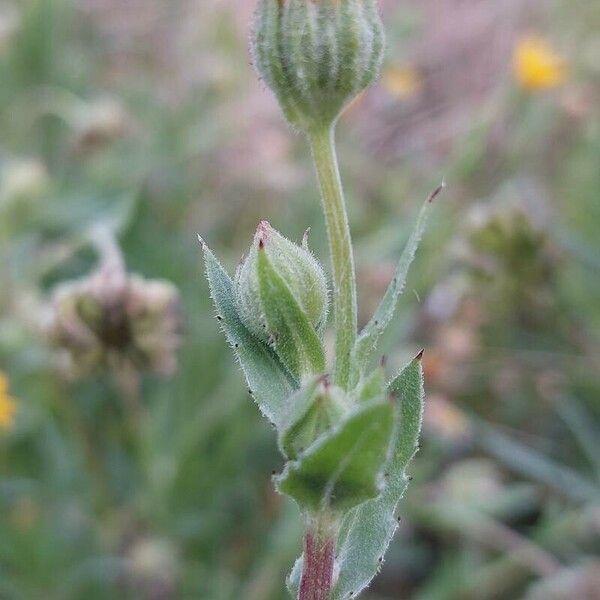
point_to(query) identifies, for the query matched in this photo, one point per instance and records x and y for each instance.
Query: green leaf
(268, 380)
(313, 410)
(408, 388)
(368, 529)
(373, 386)
(367, 340)
(293, 336)
(293, 434)
(342, 468)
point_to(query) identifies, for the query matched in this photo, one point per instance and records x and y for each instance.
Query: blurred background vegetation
(135, 465)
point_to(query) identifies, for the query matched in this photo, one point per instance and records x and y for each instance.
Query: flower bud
(317, 55)
(296, 266)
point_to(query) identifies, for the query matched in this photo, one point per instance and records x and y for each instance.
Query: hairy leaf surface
(368, 529)
(343, 467)
(269, 381)
(298, 412)
(369, 336)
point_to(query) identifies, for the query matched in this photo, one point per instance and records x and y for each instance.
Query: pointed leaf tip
(201, 241)
(420, 355)
(438, 190)
(325, 380)
(367, 340)
(305, 236)
(264, 229)
(367, 530)
(263, 233)
(268, 379)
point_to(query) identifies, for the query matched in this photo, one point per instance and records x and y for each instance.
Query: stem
(340, 247)
(317, 572)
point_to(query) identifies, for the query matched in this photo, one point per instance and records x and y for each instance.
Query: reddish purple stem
(317, 573)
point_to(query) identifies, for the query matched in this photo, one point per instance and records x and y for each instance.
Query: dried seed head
(111, 317)
(317, 55)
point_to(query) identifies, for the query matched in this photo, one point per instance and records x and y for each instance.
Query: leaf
(342, 468)
(294, 338)
(367, 340)
(373, 386)
(312, 410)
(269, 381)
(367, 530)
(299, 407)
(408, 387)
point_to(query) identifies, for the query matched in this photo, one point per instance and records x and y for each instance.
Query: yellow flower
(7, 404)
(536, 65)
(402, 82)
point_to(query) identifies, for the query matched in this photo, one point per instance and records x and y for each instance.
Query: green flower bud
(317, 55)
(295, 265)
(281, 295)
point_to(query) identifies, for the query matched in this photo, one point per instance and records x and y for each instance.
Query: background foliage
(145, 117)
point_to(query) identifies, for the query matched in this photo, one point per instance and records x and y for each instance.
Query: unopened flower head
(317, 55)
(298, 268)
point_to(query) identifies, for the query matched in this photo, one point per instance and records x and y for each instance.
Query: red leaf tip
(325, 381)
(436, 192)
(263, 232)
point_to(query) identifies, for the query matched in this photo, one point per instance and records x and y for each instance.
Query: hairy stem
(340, 248)
(317, 572)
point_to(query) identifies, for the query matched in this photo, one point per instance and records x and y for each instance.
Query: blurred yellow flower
(536, 65)
(7, 404)
(402, 82)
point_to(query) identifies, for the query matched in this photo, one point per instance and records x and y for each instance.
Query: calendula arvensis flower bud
(296, 266)
(317, 55)
(281, 296)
